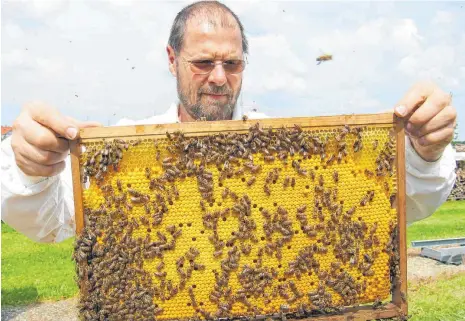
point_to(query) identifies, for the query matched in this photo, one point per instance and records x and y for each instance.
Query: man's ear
(171, 60)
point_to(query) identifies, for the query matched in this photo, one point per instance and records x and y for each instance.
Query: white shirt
(42, 208)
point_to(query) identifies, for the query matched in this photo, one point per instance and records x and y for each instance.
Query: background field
(33, 272)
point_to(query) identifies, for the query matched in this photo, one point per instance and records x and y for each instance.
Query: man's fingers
(433, 105)
(414, 98)
(53, 119)
(44, 138)
(40, 156)
(441, 137)
(32, 168)
(445, 118)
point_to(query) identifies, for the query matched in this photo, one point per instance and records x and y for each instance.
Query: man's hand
(40, 139)
(429, 119)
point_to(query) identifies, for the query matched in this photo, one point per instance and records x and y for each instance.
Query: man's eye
(203, 62)
(232, 62)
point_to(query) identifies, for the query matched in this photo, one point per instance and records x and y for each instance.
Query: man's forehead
(212, 37)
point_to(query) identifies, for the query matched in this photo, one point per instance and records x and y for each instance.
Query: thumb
(85, 124)
(51, 118)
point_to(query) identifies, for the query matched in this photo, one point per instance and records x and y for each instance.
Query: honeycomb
(264, 222)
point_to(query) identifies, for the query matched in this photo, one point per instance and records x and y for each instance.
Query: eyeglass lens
(206, 66)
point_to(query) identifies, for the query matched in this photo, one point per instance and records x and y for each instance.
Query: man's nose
(218, 75)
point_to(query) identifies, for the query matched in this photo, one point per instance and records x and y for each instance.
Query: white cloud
(443, 17)
(89, 48)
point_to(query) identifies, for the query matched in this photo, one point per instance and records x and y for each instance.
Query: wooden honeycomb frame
(398, 305)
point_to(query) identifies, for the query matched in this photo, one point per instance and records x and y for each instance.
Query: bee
(351, 210)
(392, 200)
(364, 201)
(324, 57)
(377, 304)
(371, 195)
(160, 266)
(336, 176)
(375, 144)
(244, 117)
(358, 145)
(202, 205)
(239, 172)
(192, 297)
(368, 273)
(368, 258)
(286, 181)
(321, 180)
(403, 296)
(160, 274)
(293, 182)
(369, 173)
(267, 190)
(330, 159)
(251, 181)
(147, 172)
(373, 228)
(269, 158)
(177, 233)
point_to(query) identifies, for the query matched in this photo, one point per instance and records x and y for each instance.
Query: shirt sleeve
(428, 184)
(41, 208)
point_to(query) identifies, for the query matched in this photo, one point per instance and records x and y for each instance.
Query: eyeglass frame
(244, 61)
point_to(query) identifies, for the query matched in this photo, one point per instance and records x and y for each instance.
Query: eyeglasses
(203, 67)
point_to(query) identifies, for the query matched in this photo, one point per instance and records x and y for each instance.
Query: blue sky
(55, 50)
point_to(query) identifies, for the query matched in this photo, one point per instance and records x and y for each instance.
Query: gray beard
(212, 112)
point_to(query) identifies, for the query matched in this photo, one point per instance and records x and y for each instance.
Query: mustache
(216, 91)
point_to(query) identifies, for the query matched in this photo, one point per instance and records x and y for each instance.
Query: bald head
(216, 14)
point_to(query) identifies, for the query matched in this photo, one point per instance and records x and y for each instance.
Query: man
(206, 53)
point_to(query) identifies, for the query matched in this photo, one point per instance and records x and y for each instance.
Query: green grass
(448, 221)
(441, 299)
(34, 272)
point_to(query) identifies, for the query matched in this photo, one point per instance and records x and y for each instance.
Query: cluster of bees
(259, 254)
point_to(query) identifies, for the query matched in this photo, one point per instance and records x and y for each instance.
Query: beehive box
(276, 218)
